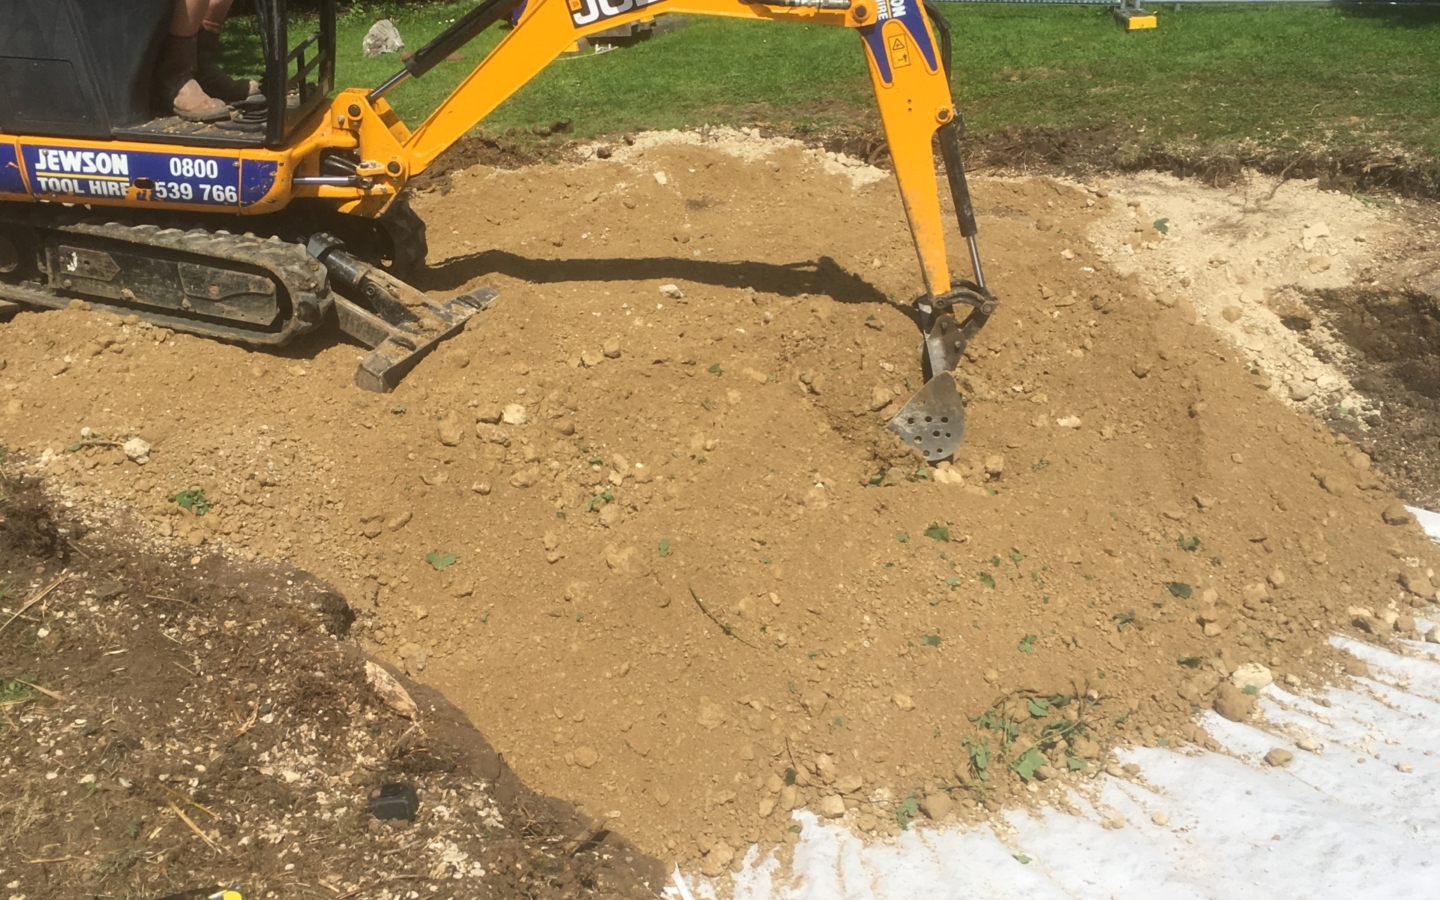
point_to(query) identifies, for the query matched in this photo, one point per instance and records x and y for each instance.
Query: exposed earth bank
(167, 725)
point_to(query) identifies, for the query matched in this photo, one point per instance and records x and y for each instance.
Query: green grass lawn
(1281, 76)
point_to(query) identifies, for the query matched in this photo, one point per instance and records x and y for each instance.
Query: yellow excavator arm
(905, 67)
(909, 72)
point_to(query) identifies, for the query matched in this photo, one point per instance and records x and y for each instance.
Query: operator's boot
(211, 77)
(175, 84)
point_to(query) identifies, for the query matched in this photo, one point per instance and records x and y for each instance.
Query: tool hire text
(87, 173)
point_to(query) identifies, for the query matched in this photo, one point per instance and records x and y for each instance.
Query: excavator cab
(289, 217)
(70, 68)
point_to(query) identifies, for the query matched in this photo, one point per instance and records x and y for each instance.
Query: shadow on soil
(824, 276)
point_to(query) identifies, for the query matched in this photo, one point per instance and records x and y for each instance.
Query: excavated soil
(694, 580)
(476, 150)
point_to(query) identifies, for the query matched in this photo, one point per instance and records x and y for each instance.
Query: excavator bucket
(933, 421)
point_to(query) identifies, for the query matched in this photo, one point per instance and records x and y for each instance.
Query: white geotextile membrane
(1357, 817)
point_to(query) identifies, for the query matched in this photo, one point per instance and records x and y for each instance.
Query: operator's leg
(211, 77)
(175, 83)
(186, 19)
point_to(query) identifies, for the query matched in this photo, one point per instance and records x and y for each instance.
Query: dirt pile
(643, 523)
(161, 732)
(1247, 260)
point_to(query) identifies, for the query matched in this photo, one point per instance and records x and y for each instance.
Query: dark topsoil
(1389, 320)
(1394, 336)
(175, 697)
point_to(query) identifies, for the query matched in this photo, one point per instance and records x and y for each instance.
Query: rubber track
(301, 277)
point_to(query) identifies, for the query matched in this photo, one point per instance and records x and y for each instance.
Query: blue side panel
(909, 13)
(11, 181)
(77, 175)
(913, 17)
(871, 35)
(257, 177)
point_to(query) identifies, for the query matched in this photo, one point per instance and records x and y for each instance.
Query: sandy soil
(695, 582)
(1331, 296)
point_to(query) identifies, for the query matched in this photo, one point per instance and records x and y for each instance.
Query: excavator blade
(395, 349)
(932, 421)
(399, 323)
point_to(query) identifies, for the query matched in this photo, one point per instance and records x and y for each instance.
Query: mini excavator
(289, 217)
